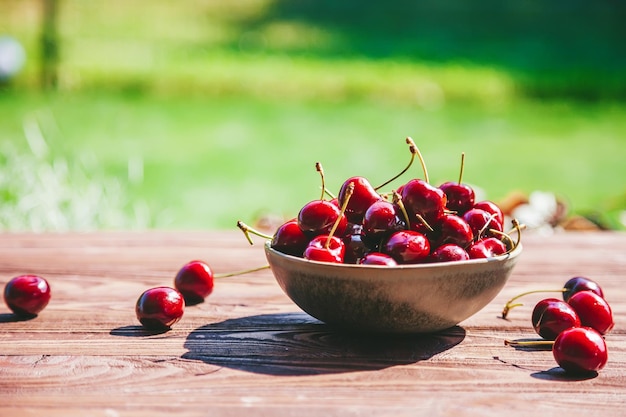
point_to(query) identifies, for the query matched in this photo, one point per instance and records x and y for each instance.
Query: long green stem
(247, 231)
(413, 150)
(246, 271)
(509, 304)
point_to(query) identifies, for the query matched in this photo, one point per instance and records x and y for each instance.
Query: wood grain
(249, 350)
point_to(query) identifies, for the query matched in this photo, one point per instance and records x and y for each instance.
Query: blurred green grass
(206, 112)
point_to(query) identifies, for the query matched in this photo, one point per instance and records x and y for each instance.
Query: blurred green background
(198, 113)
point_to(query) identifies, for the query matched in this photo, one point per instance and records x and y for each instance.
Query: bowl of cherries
(419, 258)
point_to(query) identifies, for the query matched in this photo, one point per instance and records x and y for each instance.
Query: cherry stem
(246, 271)
(529, 343)
(349, 193)
(414, 151)
(484, 228)
(462, 167)
(424, 222)
(509, 304)
(397, 199)
(320, 169)
(421, 158)
(247, 230)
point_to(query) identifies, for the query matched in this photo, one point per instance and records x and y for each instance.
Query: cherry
(355, 244)
(452, 229)
(363, 196)
(407, 247)
(491, 208)
(159, 308)
(422, 199)
(195, 281)
(449, 252)
(377, 258)
(27, 295)
(380, 220)
(460, 197)
(551, 316)
(593, 310)
(487, 248)
(289, 238)
(576, 284)
(325, 248)
(580, 350)
(482, 222)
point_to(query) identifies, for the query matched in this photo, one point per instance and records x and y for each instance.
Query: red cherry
(325, 248)
(27, 295)
(551, 316)
(580, 350)
(290, 239)
(380, 220)
(452, 229)
(421, 198)
(593, 310)
(486, 248)
(363, 196)
(407, 247)
(491, 208)
(377, 258)
(318, 217)
(194, 281)
(449, 252)
(577, 284)
(159, 308)
(480, 221)
(355, 244)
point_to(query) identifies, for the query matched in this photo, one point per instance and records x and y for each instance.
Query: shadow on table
(297, 344)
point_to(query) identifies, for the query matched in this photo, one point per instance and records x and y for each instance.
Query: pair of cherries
(574, 326)
(415, 223)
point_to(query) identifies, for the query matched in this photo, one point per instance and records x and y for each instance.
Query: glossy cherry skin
(195, 281)
(320, 248)
(27, 295)
(551, 316)
(354, 243)
(577, 284)
(449, 252)
(407, 247)
(486, 248)
(419, 197)
(363, 196)
(593, 310)
(491, 208)
(377, 258)
(460, 197)
(580, 350)
(319, 216)
(159, 308)
(480, 220)
(452, 229)
(290, 239)
(380, 220)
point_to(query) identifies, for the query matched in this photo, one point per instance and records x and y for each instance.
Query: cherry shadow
(135, 331)
(13, 318)
(297, 344)
(558, 374)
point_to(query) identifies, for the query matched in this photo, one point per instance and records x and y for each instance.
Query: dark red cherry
(290, 239)
(407, 247)
(194, 281)
(419, 197)
(325, 249)
(491, 208)
(381, 219)
(551, 316)
(355, 244)
(486, 248)
(159, 308)
(593, 310)
(318, 217)
(27, 295)
(580, 350)
(452, 229)
(481, 221)
(449, 252)
(363, 196)
(577, 284)
(377, 258)
(460, 197)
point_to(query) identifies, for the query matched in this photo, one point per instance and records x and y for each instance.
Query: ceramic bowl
(423, 298)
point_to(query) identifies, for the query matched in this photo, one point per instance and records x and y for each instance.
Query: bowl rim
(429, 265)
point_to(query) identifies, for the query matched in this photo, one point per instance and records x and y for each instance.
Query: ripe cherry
(421, 198)
(381, 220)
(159, 308)
(593, 310)
(194, 281)
(407, 247)
(481, 222)
(580, 350)
(27, 295)
(460, 197)
(576, 284)
(449, 252)
(377, 258)
(325, 248)
(451, 229)
(363, 196)
(551, 316)
(290, 239)
(486, 248)
(491, 208)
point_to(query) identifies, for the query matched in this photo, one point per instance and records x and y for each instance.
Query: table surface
(248, 350)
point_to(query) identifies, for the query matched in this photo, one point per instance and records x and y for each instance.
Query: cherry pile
(416, 222)
(574, 327)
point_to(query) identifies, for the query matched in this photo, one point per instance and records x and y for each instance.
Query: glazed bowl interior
(422, 298)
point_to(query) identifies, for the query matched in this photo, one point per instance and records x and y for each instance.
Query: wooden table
(249, 350)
